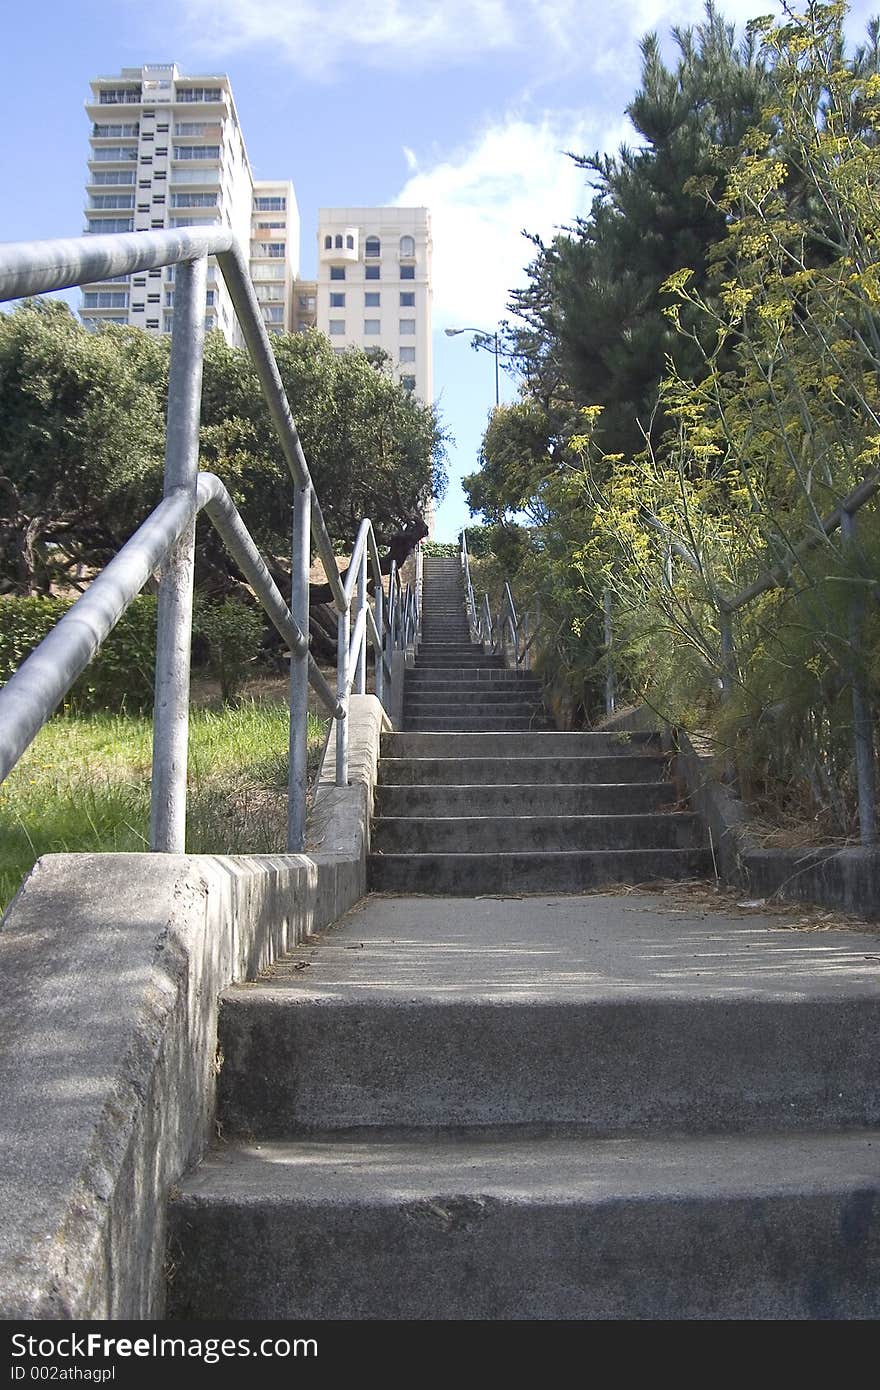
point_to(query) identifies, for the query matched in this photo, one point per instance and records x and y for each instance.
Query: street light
(482, 339)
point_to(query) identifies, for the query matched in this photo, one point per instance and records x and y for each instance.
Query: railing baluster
(343, 624)
(174, 630)
(863, 722)
(299, 672)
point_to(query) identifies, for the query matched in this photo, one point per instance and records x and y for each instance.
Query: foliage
(766, 415)
(121, 674)
(447, 548)
(589, 327)
(232, 633)
(82, 442)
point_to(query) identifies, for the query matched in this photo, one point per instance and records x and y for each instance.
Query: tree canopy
(82, 440)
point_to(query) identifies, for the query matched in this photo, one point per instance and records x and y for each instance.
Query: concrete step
(552, 744)
(425, 708)
(474, 723)
(489, 834)
(451, 677)
(503, 692)
(539, 871)
(542, 799)
(509, 771)
(775, 1227)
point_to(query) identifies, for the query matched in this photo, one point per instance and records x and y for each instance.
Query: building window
(152, 323)
(371, 272)
(372, 248)
(337, 301)
(337, 328)
(408, 383)
(407, 272)
(407, 328)
(337, 272)
(328, 243)
(115, 96)
(193, 200)
(270, 204)
(109, 131)
(110, 224)
(198, 94)
(407, 354)
(105, 299)
(115, 154)
(407, 299)
(271, 250)
(372, 327)
(407, 246)
(349, 243)
(111, 200)
(274, 313)
(371, 299)
(196, 151)
(338, 242)
(105, 177)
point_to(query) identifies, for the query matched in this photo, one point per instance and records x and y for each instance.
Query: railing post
(300, 552)
(343, 626)
(863, 724)
(360, 672)
(174, 628)
(610, 692)
(418, 594)
(379, 616)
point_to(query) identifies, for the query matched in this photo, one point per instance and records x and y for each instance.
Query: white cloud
(318, 36)
(515, 176)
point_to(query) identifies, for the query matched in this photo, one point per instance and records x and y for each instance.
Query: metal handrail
(167, 538)
(490, 629)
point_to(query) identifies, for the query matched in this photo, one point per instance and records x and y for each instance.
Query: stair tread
(574, 1170)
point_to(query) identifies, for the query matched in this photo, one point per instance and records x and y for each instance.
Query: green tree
(81, 441)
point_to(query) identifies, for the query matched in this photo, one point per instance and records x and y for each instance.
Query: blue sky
(465, 106)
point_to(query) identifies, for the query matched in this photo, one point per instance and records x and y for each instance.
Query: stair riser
(550, 745)
(552, 871)
(510, 834)
(464, 676)
(779, 1257)
(476, 687)
(472, 709)
(632, 1067)
(515, 771)
(478, 695)
(617, 800)
(473, 723)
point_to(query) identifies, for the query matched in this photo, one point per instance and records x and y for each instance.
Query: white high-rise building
(274, 253)
(167, 151)
(374, 286)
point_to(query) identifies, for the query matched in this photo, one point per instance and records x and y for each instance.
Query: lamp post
(482, 339)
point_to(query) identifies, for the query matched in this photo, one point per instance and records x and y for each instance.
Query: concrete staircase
(539, 1107)
(478, 796)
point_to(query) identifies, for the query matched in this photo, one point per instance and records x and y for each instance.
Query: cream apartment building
(374, 286)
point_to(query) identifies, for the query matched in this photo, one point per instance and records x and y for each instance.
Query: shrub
(232, 634)
(122, 673)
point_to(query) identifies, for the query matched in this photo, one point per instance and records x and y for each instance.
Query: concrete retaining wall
(844, 878)
(112, 967)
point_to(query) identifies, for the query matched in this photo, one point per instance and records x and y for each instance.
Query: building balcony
(343, 248)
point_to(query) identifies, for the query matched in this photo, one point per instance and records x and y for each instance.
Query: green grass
(84, 784)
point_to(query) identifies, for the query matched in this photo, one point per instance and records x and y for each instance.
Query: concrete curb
(113, 966)
(846, 878)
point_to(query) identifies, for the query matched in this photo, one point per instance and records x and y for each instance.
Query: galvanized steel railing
(504, 631)
(166, 540)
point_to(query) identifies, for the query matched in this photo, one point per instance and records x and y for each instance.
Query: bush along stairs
(529, 1103)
